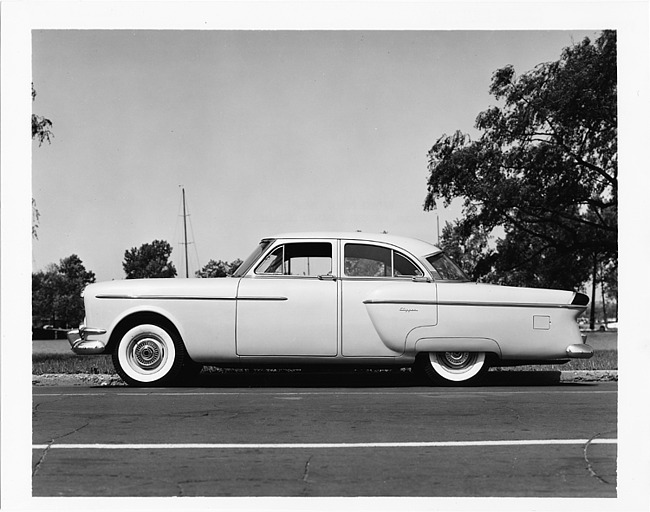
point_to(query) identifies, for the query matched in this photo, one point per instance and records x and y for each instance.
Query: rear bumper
(582, 351)
(80, 343)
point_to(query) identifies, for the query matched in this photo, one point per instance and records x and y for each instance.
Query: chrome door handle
(326, 277)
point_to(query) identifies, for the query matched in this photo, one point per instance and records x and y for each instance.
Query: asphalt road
(268, 434)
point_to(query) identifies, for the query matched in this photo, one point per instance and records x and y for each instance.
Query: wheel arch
(140, 317)
(449, 344)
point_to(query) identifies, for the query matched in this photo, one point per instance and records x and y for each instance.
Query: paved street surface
(296, 434)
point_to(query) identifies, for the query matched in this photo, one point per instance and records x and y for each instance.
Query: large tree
(149, 261)
(544, 170)
(56, 293)
(471, 251)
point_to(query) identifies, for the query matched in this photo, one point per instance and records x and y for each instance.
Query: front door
(288, 304)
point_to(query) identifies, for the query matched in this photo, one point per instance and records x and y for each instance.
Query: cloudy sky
(268, 131)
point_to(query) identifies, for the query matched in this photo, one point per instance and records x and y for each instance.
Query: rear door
(369, 268)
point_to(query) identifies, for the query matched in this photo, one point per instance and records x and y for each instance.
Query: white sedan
(329, 299)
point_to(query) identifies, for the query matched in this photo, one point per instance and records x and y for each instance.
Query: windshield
(244, 267)
(445, 269)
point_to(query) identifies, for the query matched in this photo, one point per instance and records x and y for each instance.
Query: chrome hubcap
(147, 353)
(455, 360)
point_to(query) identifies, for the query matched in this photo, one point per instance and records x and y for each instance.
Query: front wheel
(148, 354)
(454, 368)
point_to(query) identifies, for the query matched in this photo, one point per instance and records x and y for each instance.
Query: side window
(405, 267)
(371, 261)
(298, 259)
(272, 264)
(367, 261)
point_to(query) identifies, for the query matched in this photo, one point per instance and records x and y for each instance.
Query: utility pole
(187, 272)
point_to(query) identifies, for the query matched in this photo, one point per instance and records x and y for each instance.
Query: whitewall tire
(455, 368)
(148, 354)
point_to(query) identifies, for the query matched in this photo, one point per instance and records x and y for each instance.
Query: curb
(589, 376)
(88, 379)
(76, 379)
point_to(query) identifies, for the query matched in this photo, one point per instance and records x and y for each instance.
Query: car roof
(412, 245)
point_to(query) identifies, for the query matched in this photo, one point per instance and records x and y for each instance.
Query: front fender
(141, 310)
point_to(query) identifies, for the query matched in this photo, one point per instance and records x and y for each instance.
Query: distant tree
(45, 290)
(545, 168)
(40, 132)
(149, 261)
(56, 293)
(218, 268)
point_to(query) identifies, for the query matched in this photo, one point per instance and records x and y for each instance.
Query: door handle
(326, 277)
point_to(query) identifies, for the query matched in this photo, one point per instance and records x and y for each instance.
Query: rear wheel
(454, 368)
(148, 355)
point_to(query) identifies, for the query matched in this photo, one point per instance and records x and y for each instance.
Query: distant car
(329, 299)
(608, 326)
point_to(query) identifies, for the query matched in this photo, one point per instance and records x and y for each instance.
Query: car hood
(219, 287)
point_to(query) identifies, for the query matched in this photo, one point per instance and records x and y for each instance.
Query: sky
(267, 131)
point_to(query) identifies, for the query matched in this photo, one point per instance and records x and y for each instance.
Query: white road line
(327, 393)
(264, 446)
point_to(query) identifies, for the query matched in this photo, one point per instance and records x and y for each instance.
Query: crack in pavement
(589, 466)
(38, 465)
(305, 474)
(37, 406)
(305, 477)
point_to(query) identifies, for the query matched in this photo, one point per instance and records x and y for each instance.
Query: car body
(329, 299)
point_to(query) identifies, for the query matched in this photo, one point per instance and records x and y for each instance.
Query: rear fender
(451, 344)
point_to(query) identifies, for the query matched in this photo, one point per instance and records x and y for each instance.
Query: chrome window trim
(392, 248)
(283, 243)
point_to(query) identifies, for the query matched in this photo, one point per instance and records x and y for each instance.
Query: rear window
(445, 269)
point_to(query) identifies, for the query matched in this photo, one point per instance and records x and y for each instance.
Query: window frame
(464, 278)
(424, 272)
(283, 244)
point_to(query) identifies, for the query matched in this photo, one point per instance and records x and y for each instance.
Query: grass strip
(102, 364)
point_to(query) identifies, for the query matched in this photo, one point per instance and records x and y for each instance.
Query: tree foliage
(56, 293)
(218, 268)
(470, 251)
(149, 261)
(40, 132)
(545, 168)
(40, 125)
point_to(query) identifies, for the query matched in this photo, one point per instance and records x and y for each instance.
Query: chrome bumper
(81, 345)
(582, 351)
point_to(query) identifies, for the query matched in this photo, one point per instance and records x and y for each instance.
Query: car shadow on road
(363, 379)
